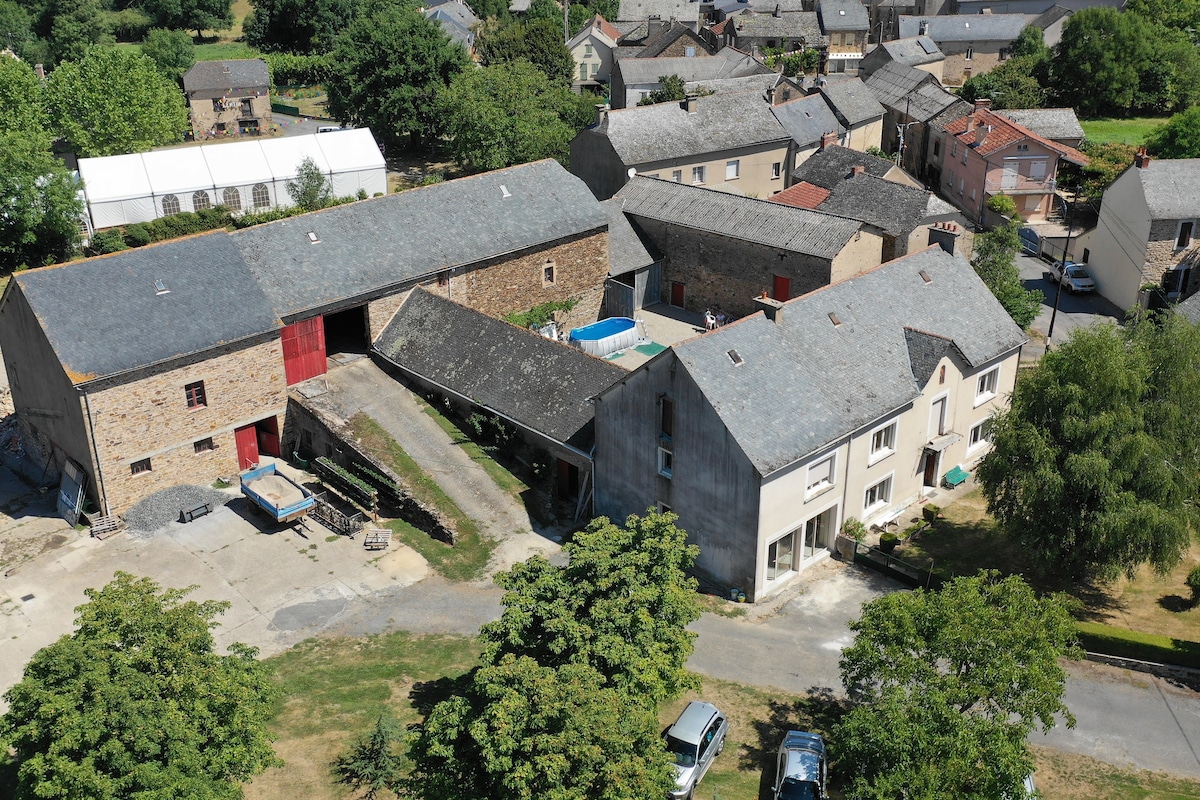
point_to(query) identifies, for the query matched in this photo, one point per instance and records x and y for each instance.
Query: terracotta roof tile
(802, 195)
(606, 28)
(1003, 133)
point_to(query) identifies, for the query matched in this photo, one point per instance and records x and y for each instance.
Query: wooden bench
(377, 539)
(955, 477)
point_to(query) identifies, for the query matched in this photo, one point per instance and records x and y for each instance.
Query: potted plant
(853, 528)
(888, 542)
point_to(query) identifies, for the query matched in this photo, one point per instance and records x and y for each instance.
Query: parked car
(1073, 277)
(696, 738)
(801, 768)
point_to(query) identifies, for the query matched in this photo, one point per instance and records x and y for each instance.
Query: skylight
(313, 238)
(734, 357)
(161, 288)
(835, 319)
(924, 276)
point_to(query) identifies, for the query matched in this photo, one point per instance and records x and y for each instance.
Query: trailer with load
(278, 496)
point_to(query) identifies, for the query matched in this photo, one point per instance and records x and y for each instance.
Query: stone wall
(205, 118)
(1161, 253)
(149, 418)
(956, 69)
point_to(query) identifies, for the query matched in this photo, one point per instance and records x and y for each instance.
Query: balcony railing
(1014, 183)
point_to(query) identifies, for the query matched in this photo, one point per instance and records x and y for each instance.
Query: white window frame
(777, 171)
(813, 488)
(980, 435)
(935, 429)
(882, 499)
(677, 175)
(793, 557)
(698, 175)
(587, 51)
(666, 462)
(886, 444)
(733, 169)
(986, 385)
(970, 54)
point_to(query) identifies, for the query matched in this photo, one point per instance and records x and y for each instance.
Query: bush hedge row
(1099, 638)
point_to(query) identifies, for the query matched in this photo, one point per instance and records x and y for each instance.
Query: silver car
(696, 738)
(1072, 276)
(801, 768)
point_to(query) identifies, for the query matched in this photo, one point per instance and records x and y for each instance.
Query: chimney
(983, 103)
(601, 112)
(40, 71)
(772, 308)
(923, 28)
(857, 169)
(981, 132)
(689, 103)
(778, 12)
(971, 123)
(770, 95)
(944, 235)
(828, 139)
(1142, 159)
(653, 25)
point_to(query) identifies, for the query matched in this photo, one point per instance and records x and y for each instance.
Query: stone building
(177, 372)
(972, 43)
(228, 98)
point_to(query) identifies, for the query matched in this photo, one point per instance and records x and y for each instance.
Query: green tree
(372, 765)
(16, 31)
(1106, 160)
(507, 114)
(994, 261)
(76, 26)
(1093, 468)
(672, 91)
(1179, 137)
(114, 101)
(387, 68)
(190, 15)
(948, 685)
(545, 10)
(136, 703)
(1177, 14)
(310, 190)
(1031, 42)
(297, 26)
(172, 51)
(42, 209)
(22, 106)
(1098, 63)
(1013, 84)
(539, 42)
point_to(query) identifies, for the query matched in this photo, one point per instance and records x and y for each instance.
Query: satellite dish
(632, 171)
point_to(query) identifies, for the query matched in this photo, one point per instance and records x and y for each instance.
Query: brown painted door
(931, 468)
(247, 446)
(782, 289)
(677, 294)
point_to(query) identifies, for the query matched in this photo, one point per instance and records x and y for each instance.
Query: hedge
(289, 69)
(1106, 639)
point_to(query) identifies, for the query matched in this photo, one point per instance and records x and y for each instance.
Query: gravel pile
(162, 508)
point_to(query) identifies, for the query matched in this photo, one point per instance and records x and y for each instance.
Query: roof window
(504, 192)
(161, 288)
(835, 319)
(313, 238)
(735, 357)
(925, 276)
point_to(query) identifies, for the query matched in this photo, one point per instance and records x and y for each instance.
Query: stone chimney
(772, 308)
(601, 112)
(971, 123)
(983, 103)
(1142, 159)
(981, 132)
(770, 95)
(40, 71)
(828, 139)
(653, 25)
(689, 102)
(944, 235)
(857, 169)
(778, 12)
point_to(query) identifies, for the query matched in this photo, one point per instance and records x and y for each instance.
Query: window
(937, 148)
(962, 183)
(1087, 255)
(663, 508)
(954, 149)
(595, 69)
(587, 50)
(1022, 148)
(942, 375)
(981, 434)
(1003, 53)
(666, 418)
(986, 387)
(170, 204)
(583, 72)
(201, 200)
(677, 175)
(548, 273)
(781, 555)
(204, 445)
(666, 462)
(697, 174)
(883, 442)
(877, 496)
(231, 198)
(260, 195)
(732, 169)
(777, 170)
(970, 53)
(820, 474)
(964, 155)
(247, 107)
(195, 395)
(218, 104)
(1185, 234)
(443, 278)
(972, 192)
(139, 467)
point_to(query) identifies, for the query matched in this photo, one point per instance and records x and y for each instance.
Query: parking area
(1074, 310)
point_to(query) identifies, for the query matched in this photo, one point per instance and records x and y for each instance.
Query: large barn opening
(347, 333)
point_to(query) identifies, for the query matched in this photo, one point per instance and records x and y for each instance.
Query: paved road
(1074, 311)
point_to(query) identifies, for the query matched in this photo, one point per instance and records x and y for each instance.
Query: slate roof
(913, 51)
(668, 35)
(895, 208)
(966, 27)
(832, 165)
(242, 73)
(801, 195)
(852, 101)
(1190, 309)
(892, 82)
(1172, 187)
(749, 83)
(212, 298)
(843, 15)
(796, 229)
(384, 242)
(682, 10)
(450, 24)
(1005, 132)
(804, 383)
(790, 24)
(1052, 123)
(541, 384)
(727, 63)
(807, 119)
(626, 252)
(640, 134)
(454, 10)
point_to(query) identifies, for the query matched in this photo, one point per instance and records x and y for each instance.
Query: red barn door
(247, 446)
(304, 350)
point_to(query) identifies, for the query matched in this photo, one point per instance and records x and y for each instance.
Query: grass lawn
(1130, 131)
(469, 555)
(503, 478)
(335, 688)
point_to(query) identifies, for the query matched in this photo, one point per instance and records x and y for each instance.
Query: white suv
(696, 738)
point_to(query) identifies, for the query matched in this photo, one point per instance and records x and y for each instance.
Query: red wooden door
(304, 349)
(782, 288)
(268, 436)
(677, 294)
(247, 446)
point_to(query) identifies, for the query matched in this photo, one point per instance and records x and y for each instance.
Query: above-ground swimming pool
(606, 336)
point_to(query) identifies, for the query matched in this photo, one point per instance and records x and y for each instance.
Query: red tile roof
(1005, 132)
(719, 28)
(802, 195)
(606, 27)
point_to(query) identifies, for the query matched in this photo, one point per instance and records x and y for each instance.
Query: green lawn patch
(469, 555)
(502, 477)
(221, 51)
(1130, 131)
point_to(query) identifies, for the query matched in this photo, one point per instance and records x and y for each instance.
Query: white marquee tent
(239, 175)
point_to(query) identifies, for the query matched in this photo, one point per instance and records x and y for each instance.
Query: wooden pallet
(377, 539)
(104, 527)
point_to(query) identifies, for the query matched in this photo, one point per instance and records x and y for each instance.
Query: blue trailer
(281, 498)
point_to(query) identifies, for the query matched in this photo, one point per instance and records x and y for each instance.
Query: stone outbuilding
(229, 98)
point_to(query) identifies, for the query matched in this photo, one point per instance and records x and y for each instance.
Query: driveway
(1074, 311)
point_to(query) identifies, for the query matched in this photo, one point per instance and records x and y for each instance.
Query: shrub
(888, 541)
(1099, 638)
(853, 528)
(539, 315)
(110, 241)
(136, 235)
(1193, 583)
(930, 512)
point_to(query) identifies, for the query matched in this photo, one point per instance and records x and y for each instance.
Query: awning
(939, 443)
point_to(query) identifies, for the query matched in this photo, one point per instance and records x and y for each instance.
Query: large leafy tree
(1013, 84)
(16, 31)
(1094, 468)
(136, 703)
(74, 27)
(172, 51)
(387, 68)
(297, 26)
(1030, 42)
(539, 42)
(509, 114)
(1106, 160)
(114, 101)
(948, 684)
(1177, 14)
(1179, 137)
(1101, 47)
(41, 209)
(994, 260)
(22, 105)
(190, 15)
